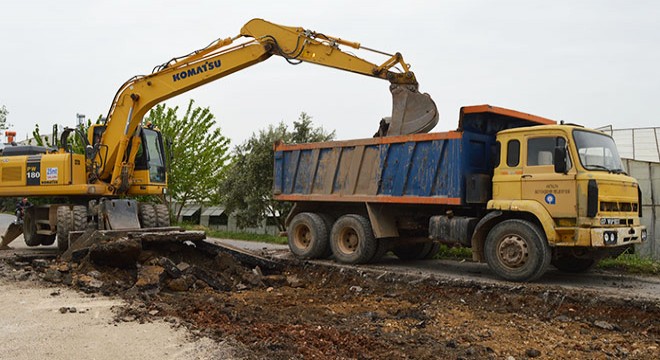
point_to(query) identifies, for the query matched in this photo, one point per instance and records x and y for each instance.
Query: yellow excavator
(125, 158)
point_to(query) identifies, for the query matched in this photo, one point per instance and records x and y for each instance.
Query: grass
(631, 263)
(266, 238)
(450, 252)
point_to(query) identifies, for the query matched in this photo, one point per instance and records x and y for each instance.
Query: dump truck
(521, 191)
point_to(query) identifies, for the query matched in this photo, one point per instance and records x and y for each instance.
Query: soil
(307, 310)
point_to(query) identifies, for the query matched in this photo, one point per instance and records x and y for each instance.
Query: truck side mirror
(560, 160)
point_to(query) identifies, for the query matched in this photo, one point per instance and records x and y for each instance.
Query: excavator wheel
(79, 213)
(30, 228)
(162, 215)
(147, 215)
(64, 226)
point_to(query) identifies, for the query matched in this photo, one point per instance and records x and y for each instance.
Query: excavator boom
(412, 112)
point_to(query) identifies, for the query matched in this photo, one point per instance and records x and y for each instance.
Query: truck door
(555, 191)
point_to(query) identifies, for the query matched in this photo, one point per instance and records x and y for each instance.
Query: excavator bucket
(412, 111)
(13, 231)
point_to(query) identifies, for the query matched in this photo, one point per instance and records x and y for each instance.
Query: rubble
(301, 310)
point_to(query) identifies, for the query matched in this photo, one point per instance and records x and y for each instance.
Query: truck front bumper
(617, 236)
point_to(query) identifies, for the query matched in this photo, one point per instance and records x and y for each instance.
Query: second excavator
(125, 158)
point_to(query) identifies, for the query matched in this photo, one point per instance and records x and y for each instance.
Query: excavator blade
(13, 231)
(412, 111)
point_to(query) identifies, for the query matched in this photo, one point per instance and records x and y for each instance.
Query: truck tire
(147, 215)
(64, 226)
(162, 215)
(352, 240)
(30, 228)
(329, 220)
(308, 236)
(382, 247)
(417, 251)
(572, 264)
(516, 250)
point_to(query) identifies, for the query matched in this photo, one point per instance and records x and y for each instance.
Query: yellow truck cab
(571, 182)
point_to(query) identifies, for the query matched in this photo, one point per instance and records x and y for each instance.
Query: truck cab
(571, 182)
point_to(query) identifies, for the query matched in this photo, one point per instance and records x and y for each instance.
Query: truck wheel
(415, 251)
(30, 228)
(382, 247)
(352, 240)
(64, 225)
(329, 220)
(162, 215)
(517, 251)
(308, 236)
(147, 215)
(572, 264)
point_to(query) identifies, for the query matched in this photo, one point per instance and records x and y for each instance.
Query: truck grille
(617, 206)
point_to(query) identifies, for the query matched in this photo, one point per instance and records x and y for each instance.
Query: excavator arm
(412, 111)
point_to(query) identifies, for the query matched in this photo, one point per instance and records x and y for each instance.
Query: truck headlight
(609, 237)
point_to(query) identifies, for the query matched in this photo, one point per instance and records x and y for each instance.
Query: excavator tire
(79, 218)
(64, 226)
(30, 228)
(147, 215)
(162, 215)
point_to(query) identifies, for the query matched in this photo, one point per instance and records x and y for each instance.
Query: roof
(213, 211)
(190, 210)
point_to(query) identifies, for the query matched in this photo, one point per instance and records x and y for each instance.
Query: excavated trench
(286, 309)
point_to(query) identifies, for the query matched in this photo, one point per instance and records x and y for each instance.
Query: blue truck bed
(451, 168)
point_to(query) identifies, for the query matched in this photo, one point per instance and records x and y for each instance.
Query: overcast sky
(589, 62)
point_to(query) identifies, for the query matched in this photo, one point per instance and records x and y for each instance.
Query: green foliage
(197, 156)
(219, 234)
(3, 118)
(247, 189)
(75, 141)
(631, 263)
(454, 252)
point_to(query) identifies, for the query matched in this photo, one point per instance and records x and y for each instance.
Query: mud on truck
(522, 191)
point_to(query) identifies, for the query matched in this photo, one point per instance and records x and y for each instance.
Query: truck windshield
(597, 151)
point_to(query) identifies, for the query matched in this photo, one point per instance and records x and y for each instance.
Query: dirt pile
(306, 310)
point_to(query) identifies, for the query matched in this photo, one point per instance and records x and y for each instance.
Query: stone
(355, 288)
(39, 263)
(181, 284)
(183, 266)
(64, 310)
(603, 325)
(53, 275)
(532, 353)
(170, 267)
(208, 278)
(120, 253)
(149, 278)
(88, 283)
(294, 281)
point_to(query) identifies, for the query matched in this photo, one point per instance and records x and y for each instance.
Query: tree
(3, 118)
(247, 189)
(198, 153)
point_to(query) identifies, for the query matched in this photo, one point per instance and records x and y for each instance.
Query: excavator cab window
(151, 156)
